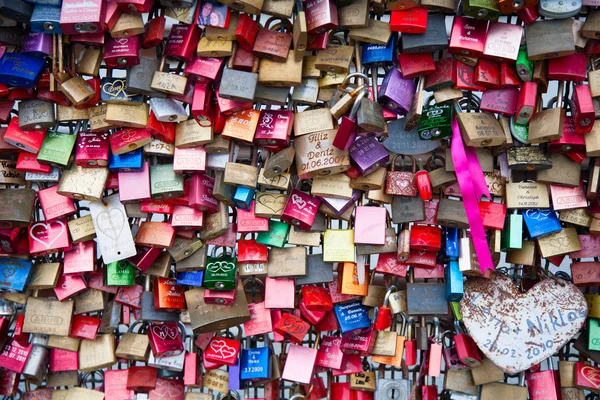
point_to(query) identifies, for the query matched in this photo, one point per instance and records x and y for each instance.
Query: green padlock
(57, 149)
(524, 66)
(276, 235)
(435, 122)
(119, 273)
(220, 272)
(481, 9)
(512, 235)
(593, 331)
(164, 182)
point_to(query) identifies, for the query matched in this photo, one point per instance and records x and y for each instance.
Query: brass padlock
(336, 57)
(480, 129)
(548, 124)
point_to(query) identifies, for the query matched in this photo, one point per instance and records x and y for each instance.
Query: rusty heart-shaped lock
(518, 330)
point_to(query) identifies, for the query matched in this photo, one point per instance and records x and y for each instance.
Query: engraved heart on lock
(41, 235)
(293, 326)
(269, 201)
(109, 225)
(8, 272)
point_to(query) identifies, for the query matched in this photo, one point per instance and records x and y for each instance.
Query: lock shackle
(136, 323)
(436, 328)
(232, 394)
(353, 75)
(410, 326)
(214, 251)
(253, 279)
(434, 157)
(458, 328)
(402, 156)
(445, 335)
(354, 110)
(284, 24)
(386, 299)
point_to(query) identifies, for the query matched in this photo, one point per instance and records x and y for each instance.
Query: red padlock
(245, 32)
(414, 65)
(487, 74)
(249, 251)
(467, 350)
(384, 314)
(222, 350)
(582, 109)
(313, 317)
(164, 131)
(291, 327)
(509, 77)
(316, 298)
(413, 20)
(526, 103)
(154, 31)
(493, 214)
(423, 183)
(426, 238)
(410, 344)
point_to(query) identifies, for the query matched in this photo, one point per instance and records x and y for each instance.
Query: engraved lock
(168, 110)
(166, 82)
(370, 113)
(12, 74)
(548, 125)
(336, 58)
(348, 129)
(271, 44)
(540, 34)
(122, 52)
(76, 18)
(435, 121)
(238, 85)
(396, 93)
(480, 129)
(45, 18)
(36, 114)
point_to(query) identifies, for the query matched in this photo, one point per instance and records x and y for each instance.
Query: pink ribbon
(472, 186)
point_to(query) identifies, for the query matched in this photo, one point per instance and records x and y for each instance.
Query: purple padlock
(367, 155)
(234, 376)
(396, 93)
(340, 206)
(37, 43)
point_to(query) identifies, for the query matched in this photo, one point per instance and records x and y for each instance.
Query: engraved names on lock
(316, 155)
(527, 195)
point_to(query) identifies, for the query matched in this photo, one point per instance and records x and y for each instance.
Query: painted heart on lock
(592, 375)
(40, 232)
(519, 330)
(298, 201)
(165, 332)
(221, 348)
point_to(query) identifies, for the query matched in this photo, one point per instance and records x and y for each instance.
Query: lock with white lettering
(221, 271)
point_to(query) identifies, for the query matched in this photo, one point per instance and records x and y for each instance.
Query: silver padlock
(139, 77)
(392, 389)
(173, 363)
(52, 176)
(168, 110)
(238, 85)
(559, 9)
(111, 317)
(7, 308)
(36, 114)
(36, 363)
(38, 339)
(271, 95)
(307, 92)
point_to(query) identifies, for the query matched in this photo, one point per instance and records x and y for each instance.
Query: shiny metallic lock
(168, 110)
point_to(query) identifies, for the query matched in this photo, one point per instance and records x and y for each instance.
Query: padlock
(467, 37)
(413, 20)
(435, 122)
(348, 129)
(481, 10)
(122, 52)
(467, 350)
(540, 34)
(396, 93)
(401, 183)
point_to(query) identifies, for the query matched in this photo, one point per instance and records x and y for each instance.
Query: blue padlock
(243, 197)
(15, 274)
(454, 282)
(452, 238)
(190, 278)
(56, 3)
(255, 364)
(21, 69)
(352, 317)
(377, 55)
(45, 19)
(541, 222)
(127, 162)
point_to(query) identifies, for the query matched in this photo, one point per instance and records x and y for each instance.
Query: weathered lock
(36, 114)
(481, 9)
(407, 209)
(480, 129)
(452, 214)
(139, 77)
(434, 38)
(549, 39)
(271, 44)
(439, 176)
(164, 182)
(548, 125)
(348, 129)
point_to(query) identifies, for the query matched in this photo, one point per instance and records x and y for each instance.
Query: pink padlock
(54, 205)
(49, 237)
(301, 209)
(187, 218)
(191, 160)
(223, 297)
(63, 360)
(80, 260)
